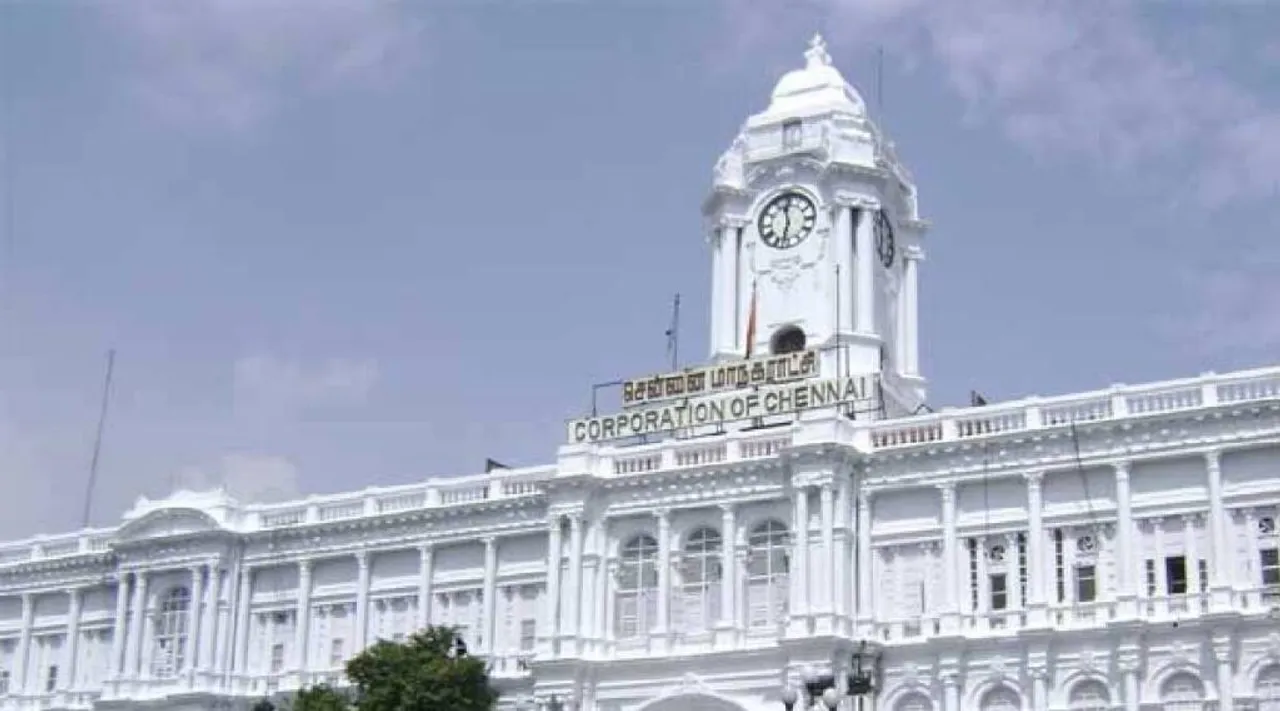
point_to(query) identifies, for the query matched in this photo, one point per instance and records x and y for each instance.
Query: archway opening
(788, 339)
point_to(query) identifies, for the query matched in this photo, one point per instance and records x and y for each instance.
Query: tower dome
(818, 87)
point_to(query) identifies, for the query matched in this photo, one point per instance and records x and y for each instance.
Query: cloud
(1077, 79)
(1235, 310)
(248, 478)
(268, 387)
(232, 63)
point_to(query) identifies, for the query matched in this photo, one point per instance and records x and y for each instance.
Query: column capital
(1213, 460)
(490, 542)
(732, 222)
(947, 489)
(304, 566)
(1122, 468)
(728, 510)
(73, 593)
(362, 559)
(864, 498)
(1222, 647)
(426, 548)
(913, 253)
(663, 515)
(1034, 479)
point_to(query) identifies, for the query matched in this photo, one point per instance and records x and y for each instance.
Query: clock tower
(816, 237)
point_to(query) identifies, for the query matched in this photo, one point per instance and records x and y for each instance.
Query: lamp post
(861, 681)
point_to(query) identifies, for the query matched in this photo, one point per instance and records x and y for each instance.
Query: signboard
(715, 410)
(718, 378)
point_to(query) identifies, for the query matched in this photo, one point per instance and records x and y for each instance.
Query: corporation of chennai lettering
(850, 390)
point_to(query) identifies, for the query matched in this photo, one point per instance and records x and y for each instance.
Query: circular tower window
(788, 339)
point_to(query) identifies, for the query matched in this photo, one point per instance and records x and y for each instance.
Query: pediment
(168, 523)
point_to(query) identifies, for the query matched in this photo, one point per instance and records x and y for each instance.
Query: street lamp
(861, 680)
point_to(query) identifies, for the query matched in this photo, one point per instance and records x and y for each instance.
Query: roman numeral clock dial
(786, 220)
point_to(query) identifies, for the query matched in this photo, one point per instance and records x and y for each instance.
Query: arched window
(1090, 695)
(768, 562)
(1269, 689)
(1001, 699)
(637, 600)
(788, 339)
(168, 657)
(1182, 692)
(700, 579)
(914, 702)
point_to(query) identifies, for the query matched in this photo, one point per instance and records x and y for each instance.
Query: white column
(718, 301)
(71, 645)
(209, 621)
(1035, 550)
(590, 562)
(193, 620)
(866, 565)
(1128, 571)
(845, 217)
(800, 601)
(362, 601)
(734, 291)
(1129, 674)
(119, 632)
(490, 645)
(226, 626)
(611, 574)
(600, 625)
(729, 573)
(910, 301)
(664, 573)
(950, 559)
(244, 603)
(1222, 649)
(865, 280)
(426, 569)
(302, 616)
(825, 579)
(573, 600)
(550, 617)
(842, 592)
(22, 660)
(1039, 689)
(137, 624)
(950, 691)
(1222, 560)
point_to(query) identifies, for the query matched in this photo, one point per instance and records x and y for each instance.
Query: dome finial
(817, 55)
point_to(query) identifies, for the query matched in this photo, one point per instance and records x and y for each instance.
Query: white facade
(1105, 550)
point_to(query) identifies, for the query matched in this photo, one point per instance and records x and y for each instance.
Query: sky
(341, 244)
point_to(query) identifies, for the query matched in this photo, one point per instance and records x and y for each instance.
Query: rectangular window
(792, 133)
(999, 591)
(528, 634)
(1022, 568)
(1086, 583)
(1175, 574)
(51, 679)
(1269, 560)
(336, 653)
(4, 681)
(973, 573)
(1059, 568)
(277, 658)
(1202, 569)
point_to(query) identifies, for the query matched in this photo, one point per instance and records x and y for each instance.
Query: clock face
(787, 220)
(885, 247)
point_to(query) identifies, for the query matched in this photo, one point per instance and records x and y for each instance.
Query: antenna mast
(97, 440)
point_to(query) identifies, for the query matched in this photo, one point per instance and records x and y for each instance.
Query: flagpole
(673, 334)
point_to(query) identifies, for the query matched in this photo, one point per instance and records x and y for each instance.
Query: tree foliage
(425, 673)
(321, 698)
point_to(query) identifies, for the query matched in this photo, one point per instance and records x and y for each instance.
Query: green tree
(428, 672)
(321, 698)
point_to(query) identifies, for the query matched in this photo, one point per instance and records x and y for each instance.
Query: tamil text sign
(717, 378)
(729, 407)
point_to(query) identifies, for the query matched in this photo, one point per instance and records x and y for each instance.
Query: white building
(1114, 549)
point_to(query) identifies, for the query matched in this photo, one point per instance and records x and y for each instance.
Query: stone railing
(1120, 401)
(59, 546)
(610, 460)
(498, 484)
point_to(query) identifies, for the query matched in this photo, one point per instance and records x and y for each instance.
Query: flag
(751, 320)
